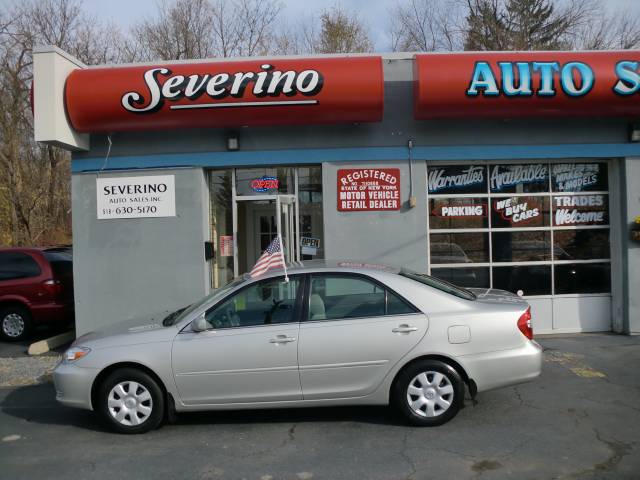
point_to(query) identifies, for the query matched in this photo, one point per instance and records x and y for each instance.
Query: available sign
(367, 189)
(136, 197)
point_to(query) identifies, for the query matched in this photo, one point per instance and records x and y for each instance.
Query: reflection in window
(267, 302)
(310, 206)
(579, 177)
(575, 210)
(516, 212)
(464, 277)
(459, 247)
(581, 244)
(582, 278)
(220, 193)
(336, 297)
(531, 279)
(519, 178)
(264, 181)
(521, 246)
(458, 213)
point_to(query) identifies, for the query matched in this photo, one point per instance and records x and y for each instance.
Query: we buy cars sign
(366, 189)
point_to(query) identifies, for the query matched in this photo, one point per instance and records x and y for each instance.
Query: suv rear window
(16, 265)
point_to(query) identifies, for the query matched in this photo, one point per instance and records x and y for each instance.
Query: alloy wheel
(130, 403)
(430, 394)
(13, 325)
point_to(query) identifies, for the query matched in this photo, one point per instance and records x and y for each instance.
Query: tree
(35, 193)
(426, 26)
(520, 25)
(189, 29)
(604, 29)
(342, 32)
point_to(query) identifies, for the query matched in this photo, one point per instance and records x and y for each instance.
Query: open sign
(264, 184)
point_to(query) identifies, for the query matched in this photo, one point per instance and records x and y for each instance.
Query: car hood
(492, 295)
(135, 330)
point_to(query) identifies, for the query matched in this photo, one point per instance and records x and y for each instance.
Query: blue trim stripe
(319, 155)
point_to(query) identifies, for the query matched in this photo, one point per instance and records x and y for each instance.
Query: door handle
(404, 328)
(282, 339)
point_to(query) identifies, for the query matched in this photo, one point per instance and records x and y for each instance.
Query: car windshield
(181, 313)
(439, 284)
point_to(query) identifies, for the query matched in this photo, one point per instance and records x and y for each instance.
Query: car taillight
(524, 324)
(52, 287)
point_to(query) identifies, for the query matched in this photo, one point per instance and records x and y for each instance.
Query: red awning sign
(226, 94)
(527, 84)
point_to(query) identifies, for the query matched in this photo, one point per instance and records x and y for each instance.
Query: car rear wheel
(131, 401)
(429, 393)
(15, 323)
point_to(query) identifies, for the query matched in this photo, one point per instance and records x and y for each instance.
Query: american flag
(271, 258)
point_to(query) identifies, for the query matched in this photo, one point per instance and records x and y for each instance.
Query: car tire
(131, 401)
(428, 393)
(15, 323)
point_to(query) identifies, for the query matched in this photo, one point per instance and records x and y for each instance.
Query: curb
(43, 346)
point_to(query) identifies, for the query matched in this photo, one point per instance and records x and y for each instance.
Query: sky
(374, 13)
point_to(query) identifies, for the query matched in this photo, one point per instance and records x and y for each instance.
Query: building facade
(511, 171)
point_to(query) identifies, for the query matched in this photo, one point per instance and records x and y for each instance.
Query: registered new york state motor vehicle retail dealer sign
(368, 189)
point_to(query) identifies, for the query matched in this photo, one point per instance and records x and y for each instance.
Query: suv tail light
(52, 287)
(524, 324)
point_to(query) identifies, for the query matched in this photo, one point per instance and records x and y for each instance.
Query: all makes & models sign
(136, 197)
(366, 189)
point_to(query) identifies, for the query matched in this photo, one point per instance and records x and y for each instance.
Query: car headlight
(75, 353)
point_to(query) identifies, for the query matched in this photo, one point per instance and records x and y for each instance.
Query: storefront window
(536, 227)
(519, 178)
(310, 207)
(469, 212)
(220, 194)
(459, 247)
(265, 181)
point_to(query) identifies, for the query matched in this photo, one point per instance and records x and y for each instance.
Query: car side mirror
(200, 324)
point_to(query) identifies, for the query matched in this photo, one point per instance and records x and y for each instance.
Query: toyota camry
(330, 333)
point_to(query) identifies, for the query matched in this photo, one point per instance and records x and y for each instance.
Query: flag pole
(278, 230)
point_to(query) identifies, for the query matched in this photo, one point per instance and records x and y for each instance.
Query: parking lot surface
(580, 419)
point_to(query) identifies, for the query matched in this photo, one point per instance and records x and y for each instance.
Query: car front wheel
(15, 323)
(429, 393)
(131, 401)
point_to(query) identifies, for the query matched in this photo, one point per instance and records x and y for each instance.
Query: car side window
(397, 305)
(335, 297)
(268, 302)
(16, 265)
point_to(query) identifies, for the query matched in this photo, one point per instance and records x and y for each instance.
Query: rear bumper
(503, 368)
(73, 385)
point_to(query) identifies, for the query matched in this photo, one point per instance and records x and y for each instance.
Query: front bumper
(73, 385)
(505, 367)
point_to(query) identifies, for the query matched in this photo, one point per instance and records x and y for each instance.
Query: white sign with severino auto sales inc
(136, 197)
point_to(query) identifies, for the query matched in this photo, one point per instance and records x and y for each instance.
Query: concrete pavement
(580, 419)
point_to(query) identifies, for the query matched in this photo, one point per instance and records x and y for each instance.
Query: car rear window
(16, 265)
(439, 284)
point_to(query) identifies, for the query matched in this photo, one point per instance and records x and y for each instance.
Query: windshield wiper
(169, 319)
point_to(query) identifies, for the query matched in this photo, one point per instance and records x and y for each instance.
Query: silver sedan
(327, 334)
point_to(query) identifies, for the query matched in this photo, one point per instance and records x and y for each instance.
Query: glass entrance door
(257, 222)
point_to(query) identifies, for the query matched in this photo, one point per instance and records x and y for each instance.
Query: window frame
(307, 297)
(550, 194)
(297, 306)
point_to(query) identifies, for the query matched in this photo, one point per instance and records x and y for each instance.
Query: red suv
(36, 288)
